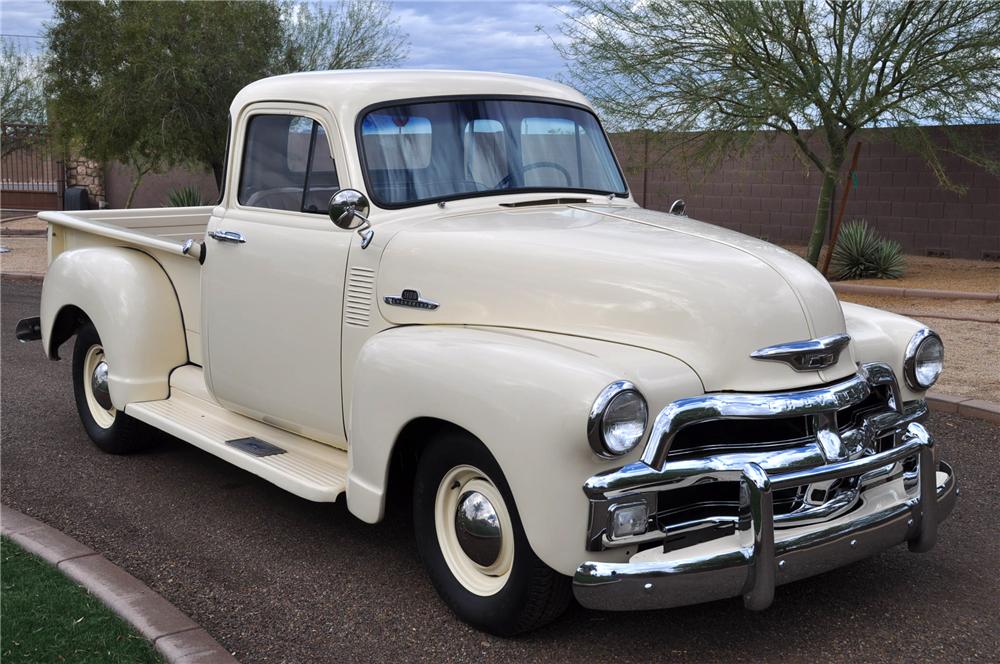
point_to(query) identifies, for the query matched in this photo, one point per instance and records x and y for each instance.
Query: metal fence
(32, 175)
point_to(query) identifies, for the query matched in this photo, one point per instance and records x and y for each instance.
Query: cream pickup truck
(573, 395)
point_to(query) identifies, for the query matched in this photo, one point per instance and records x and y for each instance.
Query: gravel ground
(27, 254)
(278, 579)
(954, 274)
(971, 350)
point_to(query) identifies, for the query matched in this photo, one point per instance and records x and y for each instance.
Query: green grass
(45, 617)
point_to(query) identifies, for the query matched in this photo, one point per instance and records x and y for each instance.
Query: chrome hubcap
(478, 528)
(99, 385)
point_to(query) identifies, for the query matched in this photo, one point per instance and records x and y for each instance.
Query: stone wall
(83, 172)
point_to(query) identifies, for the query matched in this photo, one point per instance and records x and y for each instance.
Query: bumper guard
(758, 563)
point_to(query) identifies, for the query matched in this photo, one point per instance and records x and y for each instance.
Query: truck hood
(700, 293)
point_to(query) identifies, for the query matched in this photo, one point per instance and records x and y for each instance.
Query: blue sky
(488, 35)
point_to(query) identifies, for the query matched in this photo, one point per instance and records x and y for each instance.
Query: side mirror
(349, 210)
(678, 207)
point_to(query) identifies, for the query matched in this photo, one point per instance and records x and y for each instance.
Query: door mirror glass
(349, 209)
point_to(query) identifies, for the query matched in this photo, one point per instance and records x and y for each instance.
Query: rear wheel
(111, 429)
(471, 541)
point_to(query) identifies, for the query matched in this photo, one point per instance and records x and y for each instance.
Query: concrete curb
(979, 409)
(865, 289)
(177, 638)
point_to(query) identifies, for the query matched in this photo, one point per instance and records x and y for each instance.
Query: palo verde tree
(713, 74)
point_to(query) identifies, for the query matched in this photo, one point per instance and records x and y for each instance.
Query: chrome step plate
(255, 446)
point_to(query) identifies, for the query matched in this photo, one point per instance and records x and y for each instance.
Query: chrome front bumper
(763, 551)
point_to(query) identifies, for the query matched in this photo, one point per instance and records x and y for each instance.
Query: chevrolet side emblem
(410, 298)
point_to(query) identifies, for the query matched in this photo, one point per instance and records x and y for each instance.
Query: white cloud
(485, 35)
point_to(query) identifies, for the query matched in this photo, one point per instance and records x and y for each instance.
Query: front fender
(525, 395)
(882, 336)
(131, 302)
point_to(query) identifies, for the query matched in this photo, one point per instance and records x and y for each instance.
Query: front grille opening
(740, 436)
(713, 499)
(854, 416)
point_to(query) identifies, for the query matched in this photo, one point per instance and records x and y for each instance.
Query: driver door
(273, 279)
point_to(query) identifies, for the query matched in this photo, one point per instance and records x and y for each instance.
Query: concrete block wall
(769, 192)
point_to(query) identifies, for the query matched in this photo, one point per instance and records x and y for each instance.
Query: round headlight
(924, 359)
(617, 420)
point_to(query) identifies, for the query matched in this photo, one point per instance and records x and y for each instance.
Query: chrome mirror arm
(365, 230)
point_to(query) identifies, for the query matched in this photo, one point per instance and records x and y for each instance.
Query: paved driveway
(278, 579)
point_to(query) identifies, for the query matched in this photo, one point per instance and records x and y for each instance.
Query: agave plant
(185, 197)
(861, 254)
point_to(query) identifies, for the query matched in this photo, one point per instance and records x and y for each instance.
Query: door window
(287, 165)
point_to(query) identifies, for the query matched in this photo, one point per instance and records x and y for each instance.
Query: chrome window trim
(595, 420)
(910, 357)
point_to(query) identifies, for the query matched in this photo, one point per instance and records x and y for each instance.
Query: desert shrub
(862, 254)
(185, 197)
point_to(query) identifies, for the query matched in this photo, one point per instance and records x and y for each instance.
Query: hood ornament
(410, 298)
(808, 355)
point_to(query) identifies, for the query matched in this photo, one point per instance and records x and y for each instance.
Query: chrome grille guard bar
(815, 402)
(826, 445)
(759, 564)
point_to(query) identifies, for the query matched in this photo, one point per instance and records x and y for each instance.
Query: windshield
(430, 151)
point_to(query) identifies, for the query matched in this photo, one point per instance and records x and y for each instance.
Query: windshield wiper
(546, 201)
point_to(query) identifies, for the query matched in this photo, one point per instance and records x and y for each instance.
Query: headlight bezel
(921, 336)
(595, 422)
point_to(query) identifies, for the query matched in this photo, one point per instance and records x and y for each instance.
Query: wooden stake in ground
(843, 204)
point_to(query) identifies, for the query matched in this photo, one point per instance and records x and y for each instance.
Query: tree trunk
(818, 236)
(139, 174)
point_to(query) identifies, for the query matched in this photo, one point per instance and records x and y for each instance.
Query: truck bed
(160, 232)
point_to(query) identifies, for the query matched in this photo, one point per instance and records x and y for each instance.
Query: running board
(309, 469)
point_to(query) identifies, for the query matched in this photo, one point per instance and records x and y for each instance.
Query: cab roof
(346, 92)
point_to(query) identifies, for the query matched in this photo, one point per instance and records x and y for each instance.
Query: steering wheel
(504, 183)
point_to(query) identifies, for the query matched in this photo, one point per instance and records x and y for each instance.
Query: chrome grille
(691, 468)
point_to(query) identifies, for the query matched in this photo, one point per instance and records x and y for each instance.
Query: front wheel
(111, 429)
(471, 541)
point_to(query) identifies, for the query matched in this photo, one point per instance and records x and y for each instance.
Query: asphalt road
(279, 579)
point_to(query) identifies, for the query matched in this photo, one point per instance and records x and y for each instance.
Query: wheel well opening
(406, 452)
(69, 319)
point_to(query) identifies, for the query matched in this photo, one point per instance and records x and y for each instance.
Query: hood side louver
(358, 297)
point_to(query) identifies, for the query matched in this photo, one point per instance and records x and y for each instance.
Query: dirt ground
(955, 274)
(27, 254)
(971, 349)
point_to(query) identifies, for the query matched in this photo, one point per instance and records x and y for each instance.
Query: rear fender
(131, 301)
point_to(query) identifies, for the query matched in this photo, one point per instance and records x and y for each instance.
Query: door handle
(227, 236)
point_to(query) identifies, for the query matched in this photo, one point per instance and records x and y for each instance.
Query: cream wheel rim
(482, 580)
(93, 365)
